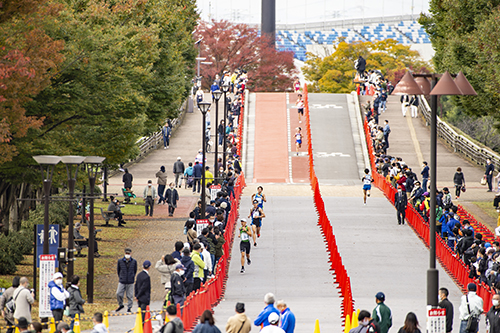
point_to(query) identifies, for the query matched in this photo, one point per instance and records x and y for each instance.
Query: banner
(47, 270)
(201, 224)
(436, 320)
(214, 189)
(54, 237)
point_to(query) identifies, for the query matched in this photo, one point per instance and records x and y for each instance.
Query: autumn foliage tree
(335, 73)
(231, 46)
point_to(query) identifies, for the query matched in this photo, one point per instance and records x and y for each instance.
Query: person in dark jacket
(143, 288)
(126, 270)
(127, 180)
(178, 290)
(493, 316)
(382, 315)
(197, 173)
(444, 303)
(178, 172)
(188, 264)
(172, 197)
(76, 300)
(459, 181)
(219, 251)
(178, 248)
(400, 202)
(207, 324)
(489, 174)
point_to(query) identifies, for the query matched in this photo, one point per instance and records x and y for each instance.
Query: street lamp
(92, 163)
(47, 164)
(204, 107)
(225, 89)
(445, 86)
(72, 163)
(217, 94)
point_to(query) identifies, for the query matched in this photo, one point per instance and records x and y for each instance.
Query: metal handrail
(458, 142)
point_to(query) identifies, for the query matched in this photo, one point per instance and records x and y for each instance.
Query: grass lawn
(110, 247)
(486, 207)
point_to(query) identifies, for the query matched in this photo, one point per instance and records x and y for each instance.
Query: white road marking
(326, 106)
(289, 138)
(325, 154)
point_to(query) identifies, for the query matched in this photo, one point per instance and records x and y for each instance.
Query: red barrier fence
(450, 261)
(211, 292)
(341, 277)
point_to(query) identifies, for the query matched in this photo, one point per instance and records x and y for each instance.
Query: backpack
(10, 306)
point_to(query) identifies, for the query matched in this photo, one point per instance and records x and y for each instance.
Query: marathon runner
(300, 106)
(367, 184)
(298, 139)
(244, 235)
(259, 196)
(257, 214)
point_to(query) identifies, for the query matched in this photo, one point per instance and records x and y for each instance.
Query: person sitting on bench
(114, 206)
(77, 235)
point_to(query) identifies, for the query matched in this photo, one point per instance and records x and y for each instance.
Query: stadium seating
(405, 32)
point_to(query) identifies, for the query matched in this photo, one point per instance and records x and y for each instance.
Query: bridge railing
(459, 143)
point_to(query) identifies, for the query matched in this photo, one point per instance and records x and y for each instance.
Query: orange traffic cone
(148, 327)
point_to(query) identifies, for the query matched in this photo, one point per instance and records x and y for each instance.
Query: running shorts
(257, 222)
(301, 111)
(367, 187)
(245, 247)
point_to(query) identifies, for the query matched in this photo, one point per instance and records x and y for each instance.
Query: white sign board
(436, 320)
(214, 189)
(47, 270)
(201, 224)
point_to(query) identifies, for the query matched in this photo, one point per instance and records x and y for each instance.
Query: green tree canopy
(335, 73)
(465, 35)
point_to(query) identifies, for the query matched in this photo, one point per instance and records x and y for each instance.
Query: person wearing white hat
(273, 320)
(58, 296)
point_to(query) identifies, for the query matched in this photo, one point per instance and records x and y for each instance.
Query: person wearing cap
(239, 323)
(274, 320)
(400, 202)
(263, 317)
(287, 318)
(22, 324)
(58, 296)
(126, 270)
(178, 291)
(149, 198)
(77, 235)
(382, 315)
(178, 172)
(257, 214)
(143, 287)
(245, 234)
(161, 180)
(470, 305)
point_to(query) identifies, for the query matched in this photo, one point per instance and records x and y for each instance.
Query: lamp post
(47, 164)
(217, 94)
(92, 163)
(72, 163)
(204, 107)
(445, 86)
(225, 89)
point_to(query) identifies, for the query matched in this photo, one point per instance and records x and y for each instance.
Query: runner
(245, 234)
(259, 196)
(300, 106)
(367, 184)
(298, 139)
(257, 214)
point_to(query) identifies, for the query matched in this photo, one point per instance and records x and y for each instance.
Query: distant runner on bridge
(257, 214)
(298, 140)
(367, 185)
(259, 196)
(244, 235)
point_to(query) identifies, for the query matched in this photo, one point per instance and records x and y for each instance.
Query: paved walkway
(410, 139)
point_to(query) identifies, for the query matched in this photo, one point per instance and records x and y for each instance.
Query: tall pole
(268, 20)
(46, 191)
(432, 273)
(216, 164)
(224, 148)
(90, 273)
(203, 199)
(71, 186)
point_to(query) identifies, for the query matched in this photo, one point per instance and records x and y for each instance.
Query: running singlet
(244, 235)
(298, 137)
(259, 197)
(300, 104)
(367, 180)
(256, 215)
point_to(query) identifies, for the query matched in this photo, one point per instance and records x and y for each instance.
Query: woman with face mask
(172, 196)
(58, 296)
